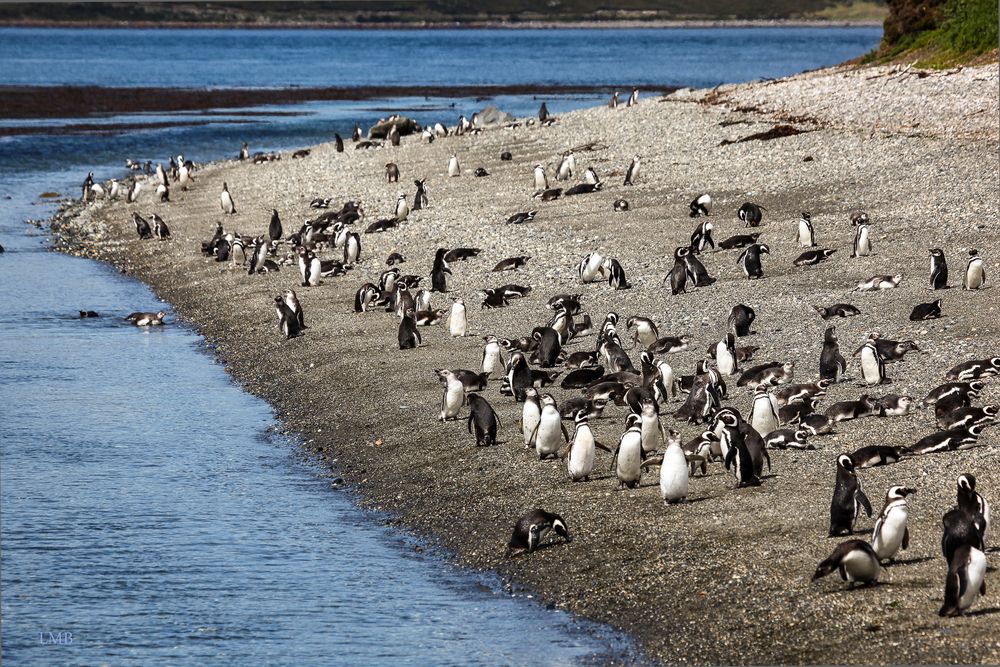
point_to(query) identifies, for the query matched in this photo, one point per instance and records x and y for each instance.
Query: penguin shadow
(983, 612)
(908, 561)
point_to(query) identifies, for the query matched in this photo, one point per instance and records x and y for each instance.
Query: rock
(492, 116)
(403, 125)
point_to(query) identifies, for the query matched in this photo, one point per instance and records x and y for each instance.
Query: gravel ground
(722, 579)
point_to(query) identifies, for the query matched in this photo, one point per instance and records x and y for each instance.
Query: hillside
(939, 33)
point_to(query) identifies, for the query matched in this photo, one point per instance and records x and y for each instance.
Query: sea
(154, 513)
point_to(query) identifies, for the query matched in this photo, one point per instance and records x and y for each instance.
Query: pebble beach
(725, 578)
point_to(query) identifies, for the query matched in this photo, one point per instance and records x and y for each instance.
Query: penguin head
(936, 252)
(896, 492)
(806, 216)
(632, 421)
(967, 482)
(831, 335)
(560, 528)
(764, 249)
(801, 436)
(846, 462)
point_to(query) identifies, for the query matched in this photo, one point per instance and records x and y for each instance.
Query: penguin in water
(872, 363)
(848, 498)
(408, 335)
(862, 240)
(531, 529)
(458, 323)
(484, 418)
(453, 167)
(226, 199)
(274, 230)
(550, 433)
(440, 271)
(627, 457)
(633, 170)
(749, 260)
(939, 269)
(831, 362)
(806, 235)
(288, 323)
(975, 272)
(966, 580)
(855, 560)
(890, 533)
(146, 319)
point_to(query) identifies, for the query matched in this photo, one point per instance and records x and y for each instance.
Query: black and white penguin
(674, 471)
(582, 447)
(837, 310)
(965, 582)
(805, 235)
(356, 134)
(292, 301)
(142, 227)
(484, 418)
(785, 438)
(613, 104)
(511, 264)
(872, 364)
(620, 205)
(590, 177)
(926, 311)
(965, 391)
(764, 411)
(453, 397)
(338, 143)
(842, 411)
(274, 230)
(877, 455)
(616, 274)
(739, 457)
(160, 229)
(518, 375)
(974, 370)
(549, 346)
(440, 271)
(420, 197)
(964, 437)
(893, 405)
(632, 173)
(813, 257)
(146, 319)
(725, 355)
(543, 113)
(288, 323)
(740, 319)
(831, 362)
(701, 205)
(408, 335)
(701, 237)
(975, 272)
(226, 200)
(550, 432)
(633, 98)
(751, 215)
(855, 560)
(364, 297)
(890, 533)
(646, 332)
(567, 165)
(696, 271)
(772, 373)
(848, 498)
(669, 344)
(244, 152)
(879, 283)
(522, 217)
(133, 192)
(749, 260)
(862, 240)
(627, 458)
(163, 193)
(541, 180)
(939, 269)
(310, 268)
(352, 248)
(532, 528)
(973, 502)
(402, 208)
(454, 169)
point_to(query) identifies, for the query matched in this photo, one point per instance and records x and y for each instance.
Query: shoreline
(660, 574)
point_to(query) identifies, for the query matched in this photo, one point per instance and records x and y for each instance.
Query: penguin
(974, 370)
(541, 180)
(161, 175)
(961, 529)
(813, 257)
(578, 189)
(620, 205)
(632, 173)
(645, 330)
(877, 455)
(163, 193)
(855, 560)
(549, 346)
(702, 237)
(975, 272)
(879, 283)
(590, 267)
(440, 271)
(831, 362)
(274, 230)
(679, 274)
(184, 176)
(115, 189)
(550, 433)
(704, 446)
(521, 218)
(696, 271)
(393, 135)
(492, 356)
(338, 142)
(590, 177)
(427, 318)
(133, 192)
(142, 227)
(226, 199)
(423, 300)
(964, 390)
(764, 413)
(567, 165)
(440, 130)
(862, 241)
(518, 375)
(848, 498)
(865, 406)
(964, 437)
(453, 167)
(633, 99)
(309, 267)
(872, 364)
(893, 405)
(965, 582)
(458, 323)
(356, 134)
(806, 236)
(837, 310)
(792, 393)
(352, 248)
(890, 533)
(784, 438)
(420, 197)
(146, 319)
(582, 449)
(408, 335)
(288, 323)
(402, 208)
(627, 458)
(531, 414)
(484, 419)
(725, 355)
(674, 471)
(651, 430)
(461, 254)
(773, 373)
(740, 459)
(751, 215)
(244, 152)
(749, 260)
(972, 502)
(926, 311)
(740, 319)
(701, 205)
(506, 156)
(543, 113)
(533, 527)
(616, 274)
(669, 344)
(613, 104)
(292, 301)
(939, 269)
(364, 297)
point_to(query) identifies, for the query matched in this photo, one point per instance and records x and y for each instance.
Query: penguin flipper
(601, 445)
(469, 422)
(564, 432)
(767, 457)
(652, 461)
(614, 457)
(534, 433)
(730, 457)
(865, 503)
(952, 585)
(906, 539)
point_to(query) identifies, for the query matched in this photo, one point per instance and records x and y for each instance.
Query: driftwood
(775, 132)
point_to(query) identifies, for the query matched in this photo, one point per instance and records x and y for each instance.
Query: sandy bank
(726, 578)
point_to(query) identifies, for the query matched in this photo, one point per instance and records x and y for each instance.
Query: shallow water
(148, 508)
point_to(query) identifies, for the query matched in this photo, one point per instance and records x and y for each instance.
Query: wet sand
(725, 578)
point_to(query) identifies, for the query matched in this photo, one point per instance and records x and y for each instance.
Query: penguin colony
(619, 365)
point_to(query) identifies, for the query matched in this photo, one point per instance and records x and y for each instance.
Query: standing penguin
(582, 452)
(292, 301)
(872, 363)
(751, 214)
(972, 502)
(725, 355)
(891, 534)
(338, 142)
(674, 471)
(274, 231)
(702, 237)
(764, 415)
(848, 498)
(806, 235)
(966, 580)
(862, 240)
(402, 208)
(633, 170)
(541, 180)
(831, 362)
(550, 433)
(453, 167)
(160, 229)
(616, 274)
(226, 199)
(356, 134)
(458, 323)
(492, 356)
(531, 413)
(740, 319)
(518, 375)
(287, 321)
(408, 335)
(651, 429)
(633, 99)
(440, 271)
(484, 418)
(749, 260)
(163, 193)
(975, 273)
(543, 113)
(245, 152)
(627, 459)
(939, 269)
(420, 197)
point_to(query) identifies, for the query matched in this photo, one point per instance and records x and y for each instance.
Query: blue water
(148, 507)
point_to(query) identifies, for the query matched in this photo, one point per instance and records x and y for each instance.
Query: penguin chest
(870, 366)
(859, 566)
(974, 276)
(549, 433)
(452, 402)
(314, 271)
(581, 456)
(458, 321)
(805, 234)
(650, 434)
(592, 267)
(529, 420)
(674, 475)
(863, 246)
(490, 359)
(726, 361)
(764, 419)
(630, 459)
(889, 538)
(974, 573)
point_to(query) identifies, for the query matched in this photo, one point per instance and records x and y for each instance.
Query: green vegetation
(436, 11)
(939, 33)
